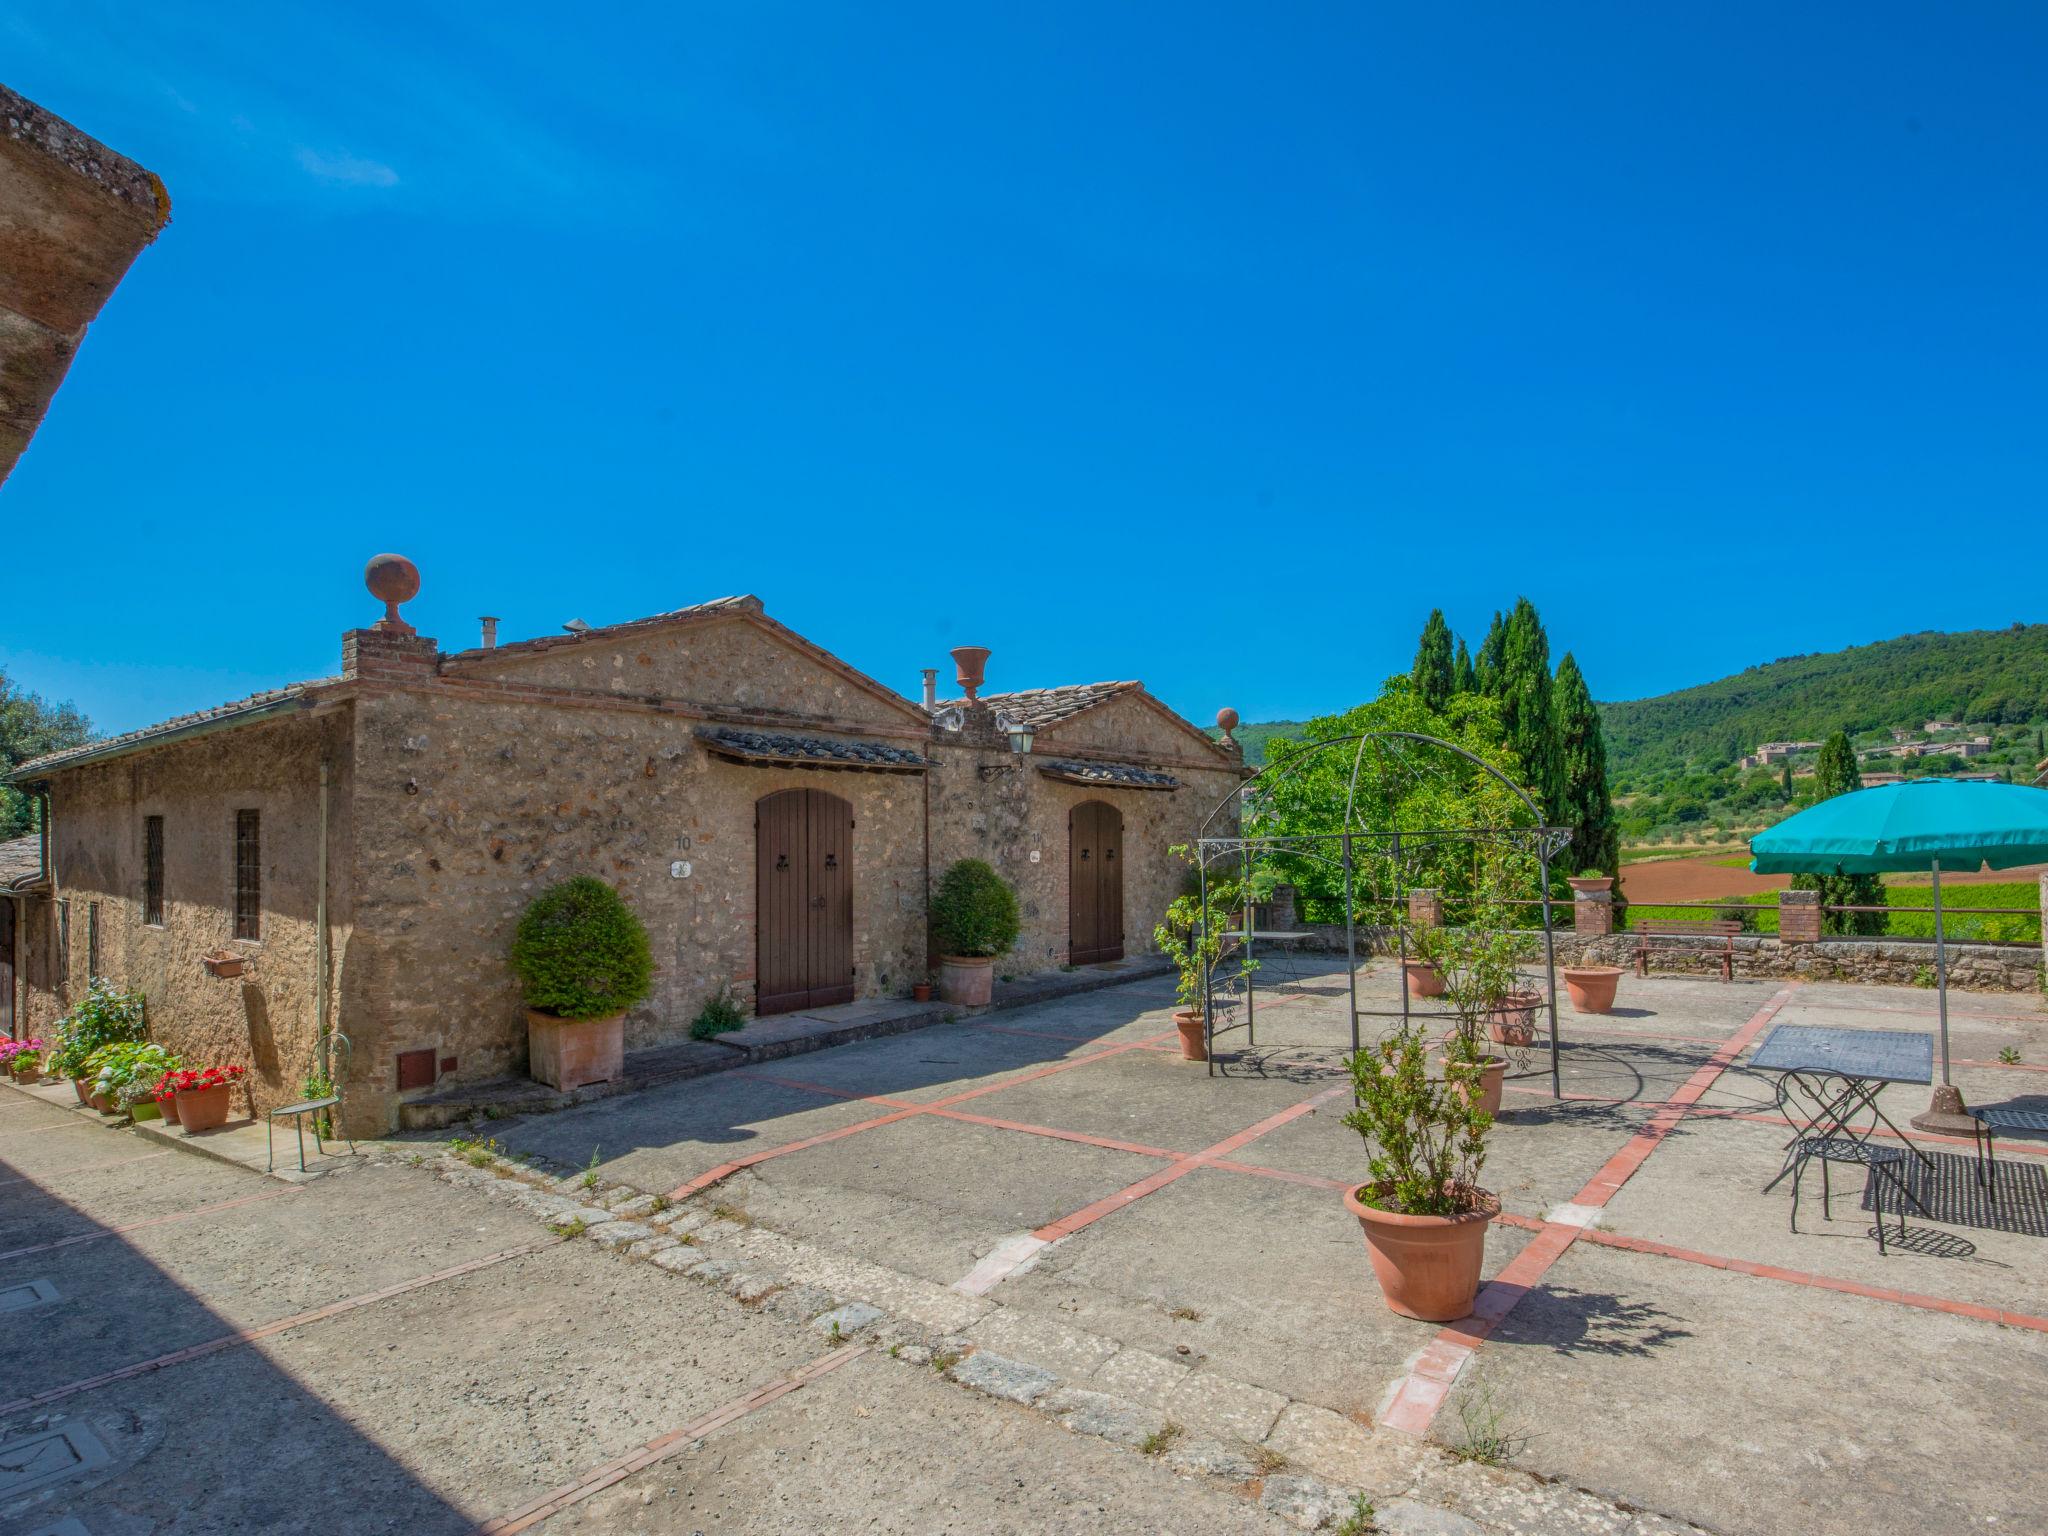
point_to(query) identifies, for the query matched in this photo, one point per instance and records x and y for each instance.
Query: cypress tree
(1433, 662)
(1523, 685)
(1584, 802)
(1461, 671)
(1835, 773)
(1486, 665)
(1785, 779)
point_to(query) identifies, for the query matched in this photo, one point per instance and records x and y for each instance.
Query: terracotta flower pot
(1512, 1021)
(169, 1109)
(25, 1072)
(921, 992)
(969, 980)
(1492, 1075)
(78, 1086)
(1592, 986)
(1424, 979)
(201, 1109)
(573, 1053)
(105, 1103)
(1427, 1266)
(1606, 884)
(1193, 1044)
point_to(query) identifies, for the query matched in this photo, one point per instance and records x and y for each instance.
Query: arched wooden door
(1095, 883)
(803, 891)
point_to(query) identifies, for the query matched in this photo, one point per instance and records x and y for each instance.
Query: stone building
(353, 853)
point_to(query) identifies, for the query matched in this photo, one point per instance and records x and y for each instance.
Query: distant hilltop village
(1937, 738)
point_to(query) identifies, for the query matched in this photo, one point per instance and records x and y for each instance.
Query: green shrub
(106, 1015)
(720, 1016)
(973, 911)
(580, 953)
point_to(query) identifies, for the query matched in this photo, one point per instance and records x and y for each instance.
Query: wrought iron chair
(317, 1108)
(1837, 1124)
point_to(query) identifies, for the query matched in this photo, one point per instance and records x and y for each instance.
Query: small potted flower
(921, 990)
(974, 919)
(125, 1075)
(205, 1096)
(583, 962)
(22, 1059)
(1422, 1211)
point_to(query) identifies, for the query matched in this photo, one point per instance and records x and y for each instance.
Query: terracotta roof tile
(1116, 775)
(740, 604)
(1039, 707)
(21, 859)
(825, 751)
(112, 744)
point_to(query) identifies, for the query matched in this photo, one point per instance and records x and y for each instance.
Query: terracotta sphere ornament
(392, 579)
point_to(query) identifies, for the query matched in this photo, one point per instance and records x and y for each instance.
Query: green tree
(29, 727)
(1433, 674)
(1461, 671)
(1785, 779)
(1523, 687)
(1836, 773)
(1486, 665)
(1585, 803)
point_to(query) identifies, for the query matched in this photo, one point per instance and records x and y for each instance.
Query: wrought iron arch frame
(1212, 845)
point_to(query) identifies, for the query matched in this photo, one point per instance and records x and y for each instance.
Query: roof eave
(39, 770)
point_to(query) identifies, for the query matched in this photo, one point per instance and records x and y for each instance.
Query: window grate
(153, 870)
(92, 940)
(248, 874)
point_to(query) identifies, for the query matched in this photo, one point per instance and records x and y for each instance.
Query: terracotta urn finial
(970, 664)
(1226, 722)
(392, 579)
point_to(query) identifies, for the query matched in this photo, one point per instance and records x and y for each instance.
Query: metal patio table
(1990, 1119)
(1832, 1076)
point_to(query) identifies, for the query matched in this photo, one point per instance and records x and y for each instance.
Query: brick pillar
(1592, 913)
(389, 655)
(1426, 909)
(1799, 917)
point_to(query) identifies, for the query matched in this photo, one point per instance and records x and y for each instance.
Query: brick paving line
(1954, 1014)
(63, 1173)
(661, 1447)
(269, 1330)
(725, 1171)
(71, 1124)
(152, 1221)
(1414, 1399)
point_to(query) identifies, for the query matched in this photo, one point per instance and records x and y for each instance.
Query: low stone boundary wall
(1873, 962)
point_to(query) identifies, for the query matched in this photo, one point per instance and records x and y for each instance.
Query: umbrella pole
(1945, 1115)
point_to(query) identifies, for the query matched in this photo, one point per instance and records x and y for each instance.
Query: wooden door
(803, 884)
(1095, 883)
(7, 908)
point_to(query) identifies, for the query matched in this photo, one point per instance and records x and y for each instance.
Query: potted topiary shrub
(1194, 950)
(974, 919)
(583, 961)
(1422, 1211)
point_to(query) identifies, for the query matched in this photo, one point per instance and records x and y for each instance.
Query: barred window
(92, 940)
(64, 943)
(248, 874)
(153, 870)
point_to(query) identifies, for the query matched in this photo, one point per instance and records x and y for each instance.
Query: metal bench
(1665, 932)
(298, 1112)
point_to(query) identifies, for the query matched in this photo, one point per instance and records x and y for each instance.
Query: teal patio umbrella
(1920, 824)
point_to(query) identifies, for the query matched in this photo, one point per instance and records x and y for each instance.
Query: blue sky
(1209, 344)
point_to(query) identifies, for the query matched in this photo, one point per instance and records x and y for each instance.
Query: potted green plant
(125, 1075)
(22, 1059)
(106, 1015)
(204, 1096)
(974, 919)
(583, 962)
(1481, 981)
(1591, 880)
(1422, 1211)
(1194, 950)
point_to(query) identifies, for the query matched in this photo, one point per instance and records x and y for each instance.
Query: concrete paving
(1145, 1255)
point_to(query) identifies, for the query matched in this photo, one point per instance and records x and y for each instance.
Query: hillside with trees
(31, 725)
(1989, 677)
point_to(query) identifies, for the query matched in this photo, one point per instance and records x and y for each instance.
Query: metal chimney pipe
(490, 625)
(931, 687)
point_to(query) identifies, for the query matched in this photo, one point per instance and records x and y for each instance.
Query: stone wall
(264, 1019)
(471, 805)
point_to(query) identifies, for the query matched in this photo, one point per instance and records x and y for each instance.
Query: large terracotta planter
(105, 1103)
(1427, 1266)
(25, 1073)
(1512, 1020)
(169, 1107)
(1606, 884)
(201, 1109)
(1493, 1072)
(78, 1087)
(1194, 1044)
(574, 1053)
(969, 980)
(1424, 979)
(1592, 986)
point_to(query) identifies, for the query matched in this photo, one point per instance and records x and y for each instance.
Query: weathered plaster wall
(468, 806)
(39, 983)
(726, 663)
(265, 1019)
